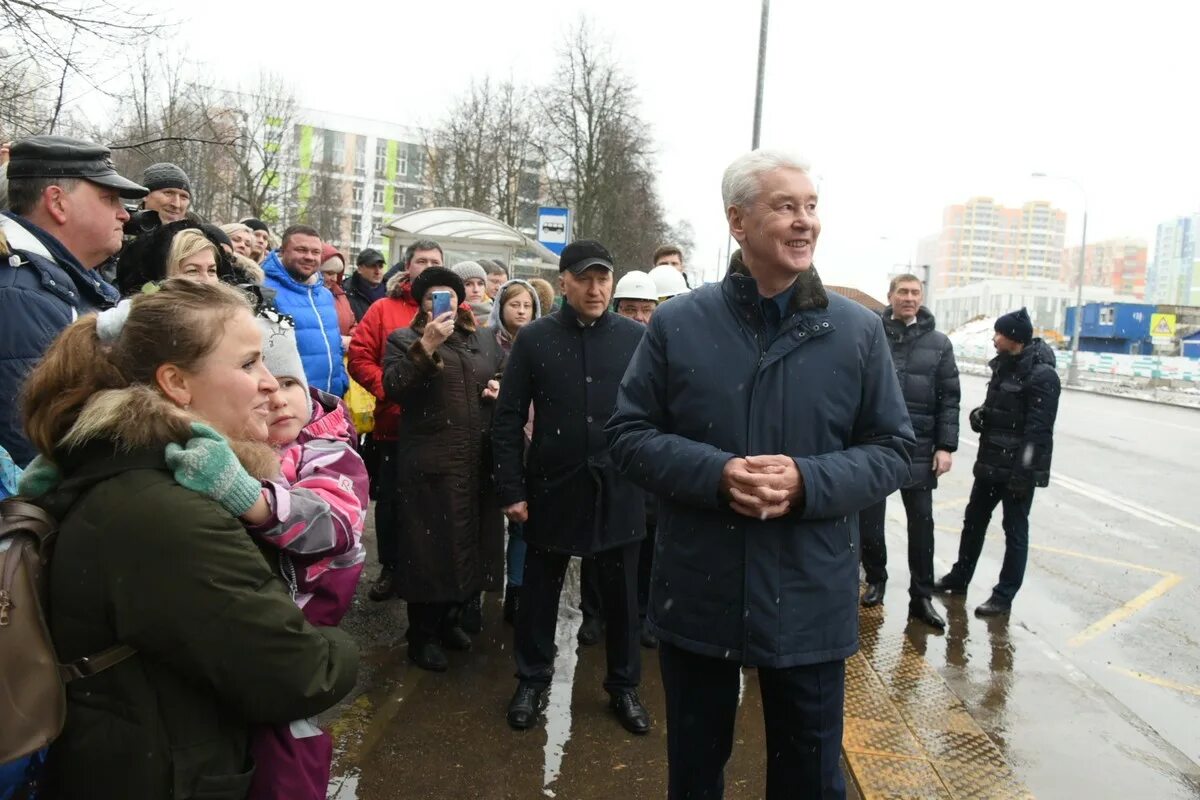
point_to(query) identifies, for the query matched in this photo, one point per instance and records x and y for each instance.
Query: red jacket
(367, 347)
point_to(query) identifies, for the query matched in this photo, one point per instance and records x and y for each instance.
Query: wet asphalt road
(1091, 688)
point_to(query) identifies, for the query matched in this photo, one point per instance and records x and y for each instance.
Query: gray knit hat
(165, 176)
(279, 350)
(468, 270)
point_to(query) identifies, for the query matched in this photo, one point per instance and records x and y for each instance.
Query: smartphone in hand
(441, 303)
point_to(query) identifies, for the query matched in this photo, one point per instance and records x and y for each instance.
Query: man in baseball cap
(366, 286)
(65, 218)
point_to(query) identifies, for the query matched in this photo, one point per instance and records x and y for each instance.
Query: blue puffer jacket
(43, 289)
(707, 385)
(317, 335)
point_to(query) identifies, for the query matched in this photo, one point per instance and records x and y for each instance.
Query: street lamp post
(1073, 370)
(762, 74)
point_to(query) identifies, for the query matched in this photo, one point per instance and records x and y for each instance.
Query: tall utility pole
(762, 74)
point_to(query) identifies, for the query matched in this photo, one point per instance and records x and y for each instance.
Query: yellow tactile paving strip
(907, 735)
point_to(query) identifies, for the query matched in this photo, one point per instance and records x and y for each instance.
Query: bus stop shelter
(466, 235)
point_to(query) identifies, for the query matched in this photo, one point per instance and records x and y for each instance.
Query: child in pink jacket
(318, 506)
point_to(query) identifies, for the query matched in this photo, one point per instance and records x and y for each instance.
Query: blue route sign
(554, 228)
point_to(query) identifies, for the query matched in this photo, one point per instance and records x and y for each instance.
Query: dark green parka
(221, 646)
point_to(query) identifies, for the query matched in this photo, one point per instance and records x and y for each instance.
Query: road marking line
(1108, 498)
(1165, 683)
(1169, 582)
(1123, 612)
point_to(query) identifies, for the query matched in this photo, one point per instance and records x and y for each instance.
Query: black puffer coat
(451, 529)
(1016, 439)
(928, 377)
(578, 502)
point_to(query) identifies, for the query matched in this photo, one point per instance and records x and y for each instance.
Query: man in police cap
(65, 219)
(568, 365)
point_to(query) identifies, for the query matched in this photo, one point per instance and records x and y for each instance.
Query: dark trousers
(645, 565)
(537, 616)
(985, 496)
(802, 709)
(427, 621)
(591, 600)
(918, 507)
(383, 489)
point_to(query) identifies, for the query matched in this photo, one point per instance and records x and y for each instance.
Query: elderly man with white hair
(764, 413)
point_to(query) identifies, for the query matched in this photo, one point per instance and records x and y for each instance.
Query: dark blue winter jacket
(706, 385)
(43, 289)
(317, 334)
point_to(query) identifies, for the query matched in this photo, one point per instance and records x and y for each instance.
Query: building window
(358, 194)
(380, 156)
(402, 159)
(378, 198)
(355, 228)
(335, 149)
(360, 156)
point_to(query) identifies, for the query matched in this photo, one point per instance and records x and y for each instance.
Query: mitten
(38, 478)
(976, 418)
(208, 466)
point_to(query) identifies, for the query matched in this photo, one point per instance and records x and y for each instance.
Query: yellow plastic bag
(362, 407)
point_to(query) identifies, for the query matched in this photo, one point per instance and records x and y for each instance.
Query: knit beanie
(279, 350)
(255, 224)
(437, 276)
(1016, 325)
(165, 176)
(468, 270)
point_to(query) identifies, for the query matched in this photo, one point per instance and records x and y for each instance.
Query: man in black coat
(928, 376)
(765, 414)
(1016, 440)
(366, 285)
(567, 491)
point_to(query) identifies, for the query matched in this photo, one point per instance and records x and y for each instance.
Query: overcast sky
(902, 108)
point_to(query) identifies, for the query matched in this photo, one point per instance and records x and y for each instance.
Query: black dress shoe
(649, 640)
(873, 596)
(427, 656)
(589, 631)
(512, 601)
(384, 587)
(949, 585)
(471, 619)
(629, 709)
(527, 702)
(455, 638)
(993, 608)
(923, 611)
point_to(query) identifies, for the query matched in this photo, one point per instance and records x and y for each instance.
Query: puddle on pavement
(558, 710)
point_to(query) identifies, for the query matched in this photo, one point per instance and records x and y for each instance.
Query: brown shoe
(384, 587)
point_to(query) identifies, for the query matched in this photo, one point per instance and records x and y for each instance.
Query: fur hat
(255, 224)
(165, 176)
(1016, 325)
(468, 270)
(545, 295)
(279, 350)
(438, 276)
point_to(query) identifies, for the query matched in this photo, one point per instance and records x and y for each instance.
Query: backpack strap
(92, 665)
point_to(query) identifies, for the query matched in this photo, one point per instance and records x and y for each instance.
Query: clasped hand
(762, 487)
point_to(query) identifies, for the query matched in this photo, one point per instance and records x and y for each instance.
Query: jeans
(514, 556)
(383, 486)
(802, 709)
(918, 507)
(537, 617)
(985, 496)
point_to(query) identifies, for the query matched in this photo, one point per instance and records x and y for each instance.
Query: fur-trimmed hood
(808, 292)
(139, 418)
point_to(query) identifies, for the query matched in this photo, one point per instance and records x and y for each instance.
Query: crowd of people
(179, 397)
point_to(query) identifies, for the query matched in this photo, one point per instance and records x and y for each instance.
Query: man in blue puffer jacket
(292, 272)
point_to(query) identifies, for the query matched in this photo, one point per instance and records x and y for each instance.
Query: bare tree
(324, 207)
(597, 150)
(48, 46)
(458, 152)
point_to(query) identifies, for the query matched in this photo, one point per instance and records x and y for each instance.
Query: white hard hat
(636, 285)
(668, 281)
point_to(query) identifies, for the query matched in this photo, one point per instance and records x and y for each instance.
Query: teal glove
(209, 467)
(38, 478)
